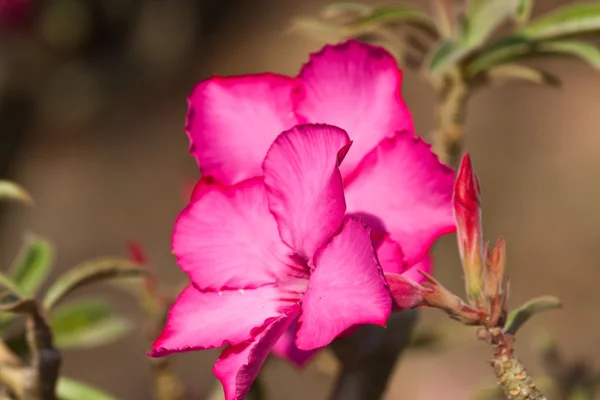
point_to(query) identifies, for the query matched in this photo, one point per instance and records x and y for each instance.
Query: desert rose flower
(392, 180)
(269, 251)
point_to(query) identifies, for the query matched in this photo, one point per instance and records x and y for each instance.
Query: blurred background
(92, 109)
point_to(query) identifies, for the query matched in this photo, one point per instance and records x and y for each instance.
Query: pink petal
(238, 365)
(347, 288)
(355, 86)
(389, 253)
(205, 320)
(412, 272)
(304, 185)
(286, 347)
(229, 239)
(403, 189)
(405, 292)
(232, 121)
(204, 185)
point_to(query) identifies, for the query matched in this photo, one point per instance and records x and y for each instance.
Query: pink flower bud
(467, 212)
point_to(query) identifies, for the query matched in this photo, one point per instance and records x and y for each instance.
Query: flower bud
(467, 213)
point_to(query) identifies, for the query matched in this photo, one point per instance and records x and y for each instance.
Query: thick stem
(511, 374)
(368, 357)
(453, 93)
(45, 360)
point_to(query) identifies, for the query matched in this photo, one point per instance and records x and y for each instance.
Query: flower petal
(347, 288)
(304, 185)
(286, 347)
(228, 239)
(403, 189)
(238, 365)
(389, 253)
(205, 320)
(424, 265)
(355, 86)
(232, 121)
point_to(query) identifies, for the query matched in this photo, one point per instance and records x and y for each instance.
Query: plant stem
(511, 374)
(453, 93)
(369, 355)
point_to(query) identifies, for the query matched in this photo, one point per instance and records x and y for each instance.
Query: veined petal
(229, 239)
(403, 189)
(232, 121)
(355, 86)
(304, 185)
(286, 347)
(347, 288)
(205, 320)
(238, 365)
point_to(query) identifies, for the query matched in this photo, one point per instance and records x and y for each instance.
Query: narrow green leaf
(485, 20)
(14, 192)
(523, 11)
(518, 317)
(394, 14)
(87, 273)
(569, 20)
(70, 389)
(582, 50)
(86, 324)
(446, 54)
(506, 50)
(32, 264)
(506, 72)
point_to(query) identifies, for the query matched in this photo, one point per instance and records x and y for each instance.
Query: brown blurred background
(91, 121)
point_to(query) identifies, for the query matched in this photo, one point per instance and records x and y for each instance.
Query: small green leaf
(14, 192)
(523, 11)
(507, 72)
(483, 22)
(32, 264)
(446, 54)
(517, 318)
(86, 324)
(394, 15)
(443, 18)
(505, 50)
(566, 21)
(87, 273)
(70, 389)
(582, 50)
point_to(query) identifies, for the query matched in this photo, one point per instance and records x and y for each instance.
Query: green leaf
(345, 9)
(507, 72)
(582, 50)
(14, 192)
(32, 264)
(394, 14)
(86, 324)
(505, 50)
(484, 20)
(523, 11)
(87, 273)
(518, 317)
(446, 54)
(70, 389)
(569, 20)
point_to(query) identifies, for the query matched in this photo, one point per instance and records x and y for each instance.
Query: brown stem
(45, 360)
(453, 93)
(511, 374)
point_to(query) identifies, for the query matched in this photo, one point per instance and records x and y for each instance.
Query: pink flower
(266, 250)
(392, 180)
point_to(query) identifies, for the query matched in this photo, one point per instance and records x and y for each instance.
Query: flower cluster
(314, 189)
